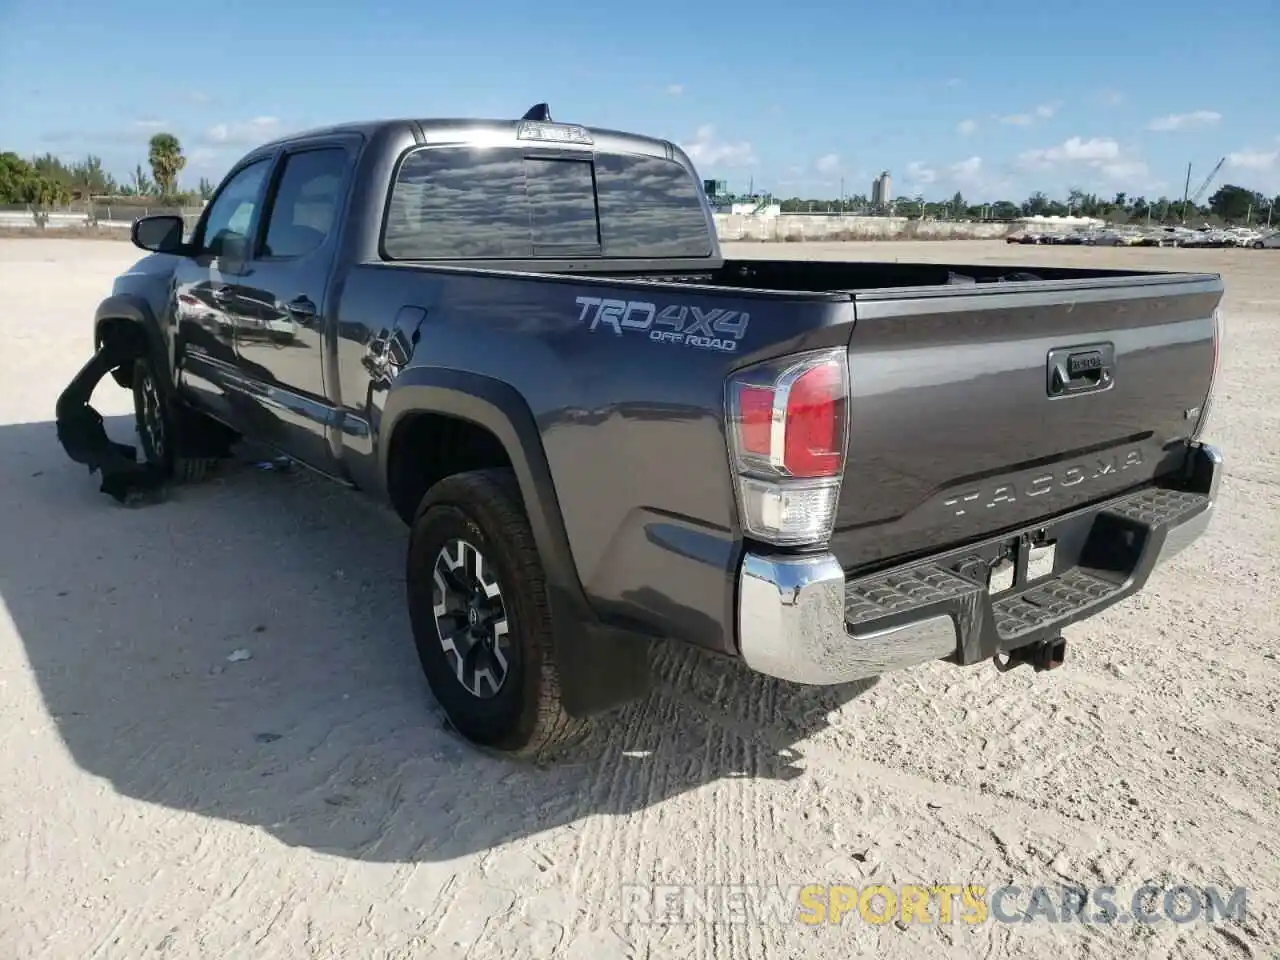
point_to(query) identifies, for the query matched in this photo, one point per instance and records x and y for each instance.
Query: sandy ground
(159, 800)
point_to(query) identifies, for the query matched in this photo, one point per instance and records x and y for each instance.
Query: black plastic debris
(84, 438)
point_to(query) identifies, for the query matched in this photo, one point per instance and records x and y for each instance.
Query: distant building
(882, 190)
(715, 189)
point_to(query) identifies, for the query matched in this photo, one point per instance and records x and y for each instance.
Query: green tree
(166, 159)
(205, 189)
(1036, 205)
(23, 182)
(1232, 202)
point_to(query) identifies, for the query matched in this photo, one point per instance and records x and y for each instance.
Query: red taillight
(787, 425)
(755, 426)
(808, 406)
(814, 434)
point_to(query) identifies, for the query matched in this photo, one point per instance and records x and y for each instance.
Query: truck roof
(443, 129)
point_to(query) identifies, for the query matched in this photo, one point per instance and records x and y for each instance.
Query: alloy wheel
(471, 618)
(153, 417)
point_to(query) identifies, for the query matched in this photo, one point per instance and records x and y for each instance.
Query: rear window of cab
(472, 203)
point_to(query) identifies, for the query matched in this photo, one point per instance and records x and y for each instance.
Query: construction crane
(1194, 198)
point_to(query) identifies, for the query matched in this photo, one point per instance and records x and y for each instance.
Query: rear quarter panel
(632, 427)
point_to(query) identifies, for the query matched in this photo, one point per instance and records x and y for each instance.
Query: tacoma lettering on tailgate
(713, 329)
(1003, 493)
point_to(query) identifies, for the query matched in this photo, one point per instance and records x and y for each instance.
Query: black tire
(524, 716)
(161, 426)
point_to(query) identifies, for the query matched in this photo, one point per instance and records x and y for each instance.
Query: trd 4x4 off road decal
(714, 329)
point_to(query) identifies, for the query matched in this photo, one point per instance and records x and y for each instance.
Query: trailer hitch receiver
(1040, 655)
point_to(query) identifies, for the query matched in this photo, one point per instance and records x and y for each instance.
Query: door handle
(301, 307)
(1083, 369)
(222, 294)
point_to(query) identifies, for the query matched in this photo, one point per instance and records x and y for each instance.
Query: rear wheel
(481, 620)
(164, 427)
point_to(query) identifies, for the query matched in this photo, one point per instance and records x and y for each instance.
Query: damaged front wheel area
(178, 443)
(182, 445)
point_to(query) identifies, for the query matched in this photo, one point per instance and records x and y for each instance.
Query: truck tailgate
(982, 408)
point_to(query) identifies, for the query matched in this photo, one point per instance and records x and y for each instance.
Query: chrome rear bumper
(799, 619)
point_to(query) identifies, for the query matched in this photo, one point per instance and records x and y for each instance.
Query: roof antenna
(539, 112)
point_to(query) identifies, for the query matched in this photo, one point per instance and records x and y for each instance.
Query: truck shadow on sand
(136, 623)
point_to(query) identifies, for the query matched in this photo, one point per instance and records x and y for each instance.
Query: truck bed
(955, 433)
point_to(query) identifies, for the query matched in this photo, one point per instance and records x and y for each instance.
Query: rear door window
(305, 202)
(470, 203)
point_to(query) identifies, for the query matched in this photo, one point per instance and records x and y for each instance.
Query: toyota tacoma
(601, 432)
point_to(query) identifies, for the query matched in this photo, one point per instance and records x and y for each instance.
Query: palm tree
(166, 162)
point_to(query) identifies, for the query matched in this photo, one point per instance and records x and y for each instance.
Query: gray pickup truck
(601, 432)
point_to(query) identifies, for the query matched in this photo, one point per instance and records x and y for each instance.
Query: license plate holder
(1040, 561)
(1000, 578)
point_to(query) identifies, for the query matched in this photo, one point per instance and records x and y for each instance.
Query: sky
(995, 100)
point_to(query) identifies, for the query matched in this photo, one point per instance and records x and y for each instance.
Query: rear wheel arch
(600, 667)
(483, 419)
(427, 447)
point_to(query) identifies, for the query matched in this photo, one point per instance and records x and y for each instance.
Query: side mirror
(159, 234)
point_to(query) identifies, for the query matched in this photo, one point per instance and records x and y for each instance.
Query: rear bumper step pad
(1103, 556)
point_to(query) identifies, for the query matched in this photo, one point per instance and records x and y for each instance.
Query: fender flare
(134, 309)
(600, 667)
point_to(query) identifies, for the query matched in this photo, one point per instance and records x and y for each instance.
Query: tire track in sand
(728, 806)
(617, 808)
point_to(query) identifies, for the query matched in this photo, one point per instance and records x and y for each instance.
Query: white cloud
(706, 150)
(203, 158)
(1185, 121)
(149, 124)
(828, 164)
(1095, 150)
(1250, 159)
(246, 133)
(1126, 170)
(675, 89)
(1112, 98)
(966, 127)
(1044, 111)
(1101, 154)
(920, 174)
(967, 171)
